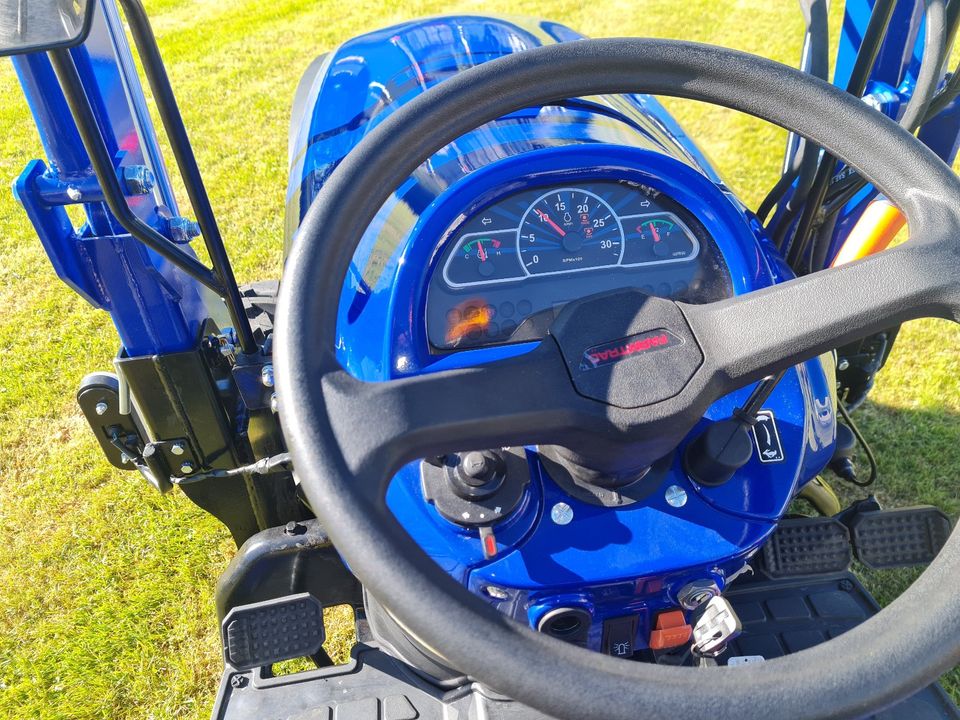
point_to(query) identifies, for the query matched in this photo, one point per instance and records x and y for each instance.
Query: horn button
(627, 349)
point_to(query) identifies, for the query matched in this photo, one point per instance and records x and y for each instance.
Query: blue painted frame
(156, 308)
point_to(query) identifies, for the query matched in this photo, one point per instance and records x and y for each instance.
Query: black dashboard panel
(507, 269)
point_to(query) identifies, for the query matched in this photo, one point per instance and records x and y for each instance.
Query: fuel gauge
(657, 238)
(482, 258)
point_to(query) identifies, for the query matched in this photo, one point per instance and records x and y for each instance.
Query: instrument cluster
(508, 268)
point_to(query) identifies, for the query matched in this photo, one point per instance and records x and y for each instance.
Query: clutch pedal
(807, 546)
(264, 633)
(899, 538)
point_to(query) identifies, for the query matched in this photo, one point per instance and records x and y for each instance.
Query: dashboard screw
(676, 496)
(561, 513)
(101, 408)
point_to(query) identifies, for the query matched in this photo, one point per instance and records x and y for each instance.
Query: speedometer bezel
(570, 189)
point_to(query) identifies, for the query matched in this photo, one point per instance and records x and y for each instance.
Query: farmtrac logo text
(628, 347)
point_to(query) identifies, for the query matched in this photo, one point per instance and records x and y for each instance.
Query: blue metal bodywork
(156, 308)
(612, 562)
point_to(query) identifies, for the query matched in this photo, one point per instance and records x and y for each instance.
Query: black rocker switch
(619, 635)
(718, 452)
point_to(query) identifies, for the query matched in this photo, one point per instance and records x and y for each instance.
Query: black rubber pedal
(899, 538)
(807, 546)
(264, 633)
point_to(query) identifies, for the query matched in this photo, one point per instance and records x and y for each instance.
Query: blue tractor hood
(346, 92)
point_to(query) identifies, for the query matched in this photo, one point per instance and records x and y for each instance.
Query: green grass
(106, 588)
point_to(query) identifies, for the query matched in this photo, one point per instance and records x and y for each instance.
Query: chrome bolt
(124, 458)
(182, 230)
(138, 179)
(186, 468)
(274, 404)
(676, 496)
(843, 364)
(101, 408)
(178, 449)
(266, 376)
(496, 593)
(561, 513)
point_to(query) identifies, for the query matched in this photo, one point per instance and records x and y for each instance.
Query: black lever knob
(718, 452)
(479, 474)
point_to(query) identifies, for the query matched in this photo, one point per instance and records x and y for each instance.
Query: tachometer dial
(568, 230)
(482, 258)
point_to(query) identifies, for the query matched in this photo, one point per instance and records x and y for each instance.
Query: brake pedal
(807, 546)
(899, 538)
(269, 632)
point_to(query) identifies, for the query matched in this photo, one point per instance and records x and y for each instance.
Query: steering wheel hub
(627, 349)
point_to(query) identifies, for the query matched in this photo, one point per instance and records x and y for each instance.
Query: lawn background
(106, 588)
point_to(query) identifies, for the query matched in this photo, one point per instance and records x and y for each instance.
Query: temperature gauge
(658, 238)
(482, 258)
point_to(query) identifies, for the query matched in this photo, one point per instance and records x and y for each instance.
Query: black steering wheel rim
(338, 451)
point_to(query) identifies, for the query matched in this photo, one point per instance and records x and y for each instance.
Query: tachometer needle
(551, 223)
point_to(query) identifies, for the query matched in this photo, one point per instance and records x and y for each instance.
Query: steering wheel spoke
(526, 399)
(750, 336)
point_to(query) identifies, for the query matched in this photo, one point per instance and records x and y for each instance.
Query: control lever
(724, 447)
(715, 624)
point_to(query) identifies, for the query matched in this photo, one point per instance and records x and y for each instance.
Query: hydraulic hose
(862, 66)
(932, 106)
(815, 59)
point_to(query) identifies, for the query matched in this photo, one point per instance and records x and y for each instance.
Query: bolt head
(675, 496)
(843, 364)
(182, 230)
(274, 403)
(561, 513)
(266, 376)
(178, 449)
(238, 681)
(187, 468)
(101, 408)
(497, 593)
(138, 179)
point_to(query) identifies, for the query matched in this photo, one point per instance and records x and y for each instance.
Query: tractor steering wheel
(348, 438)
